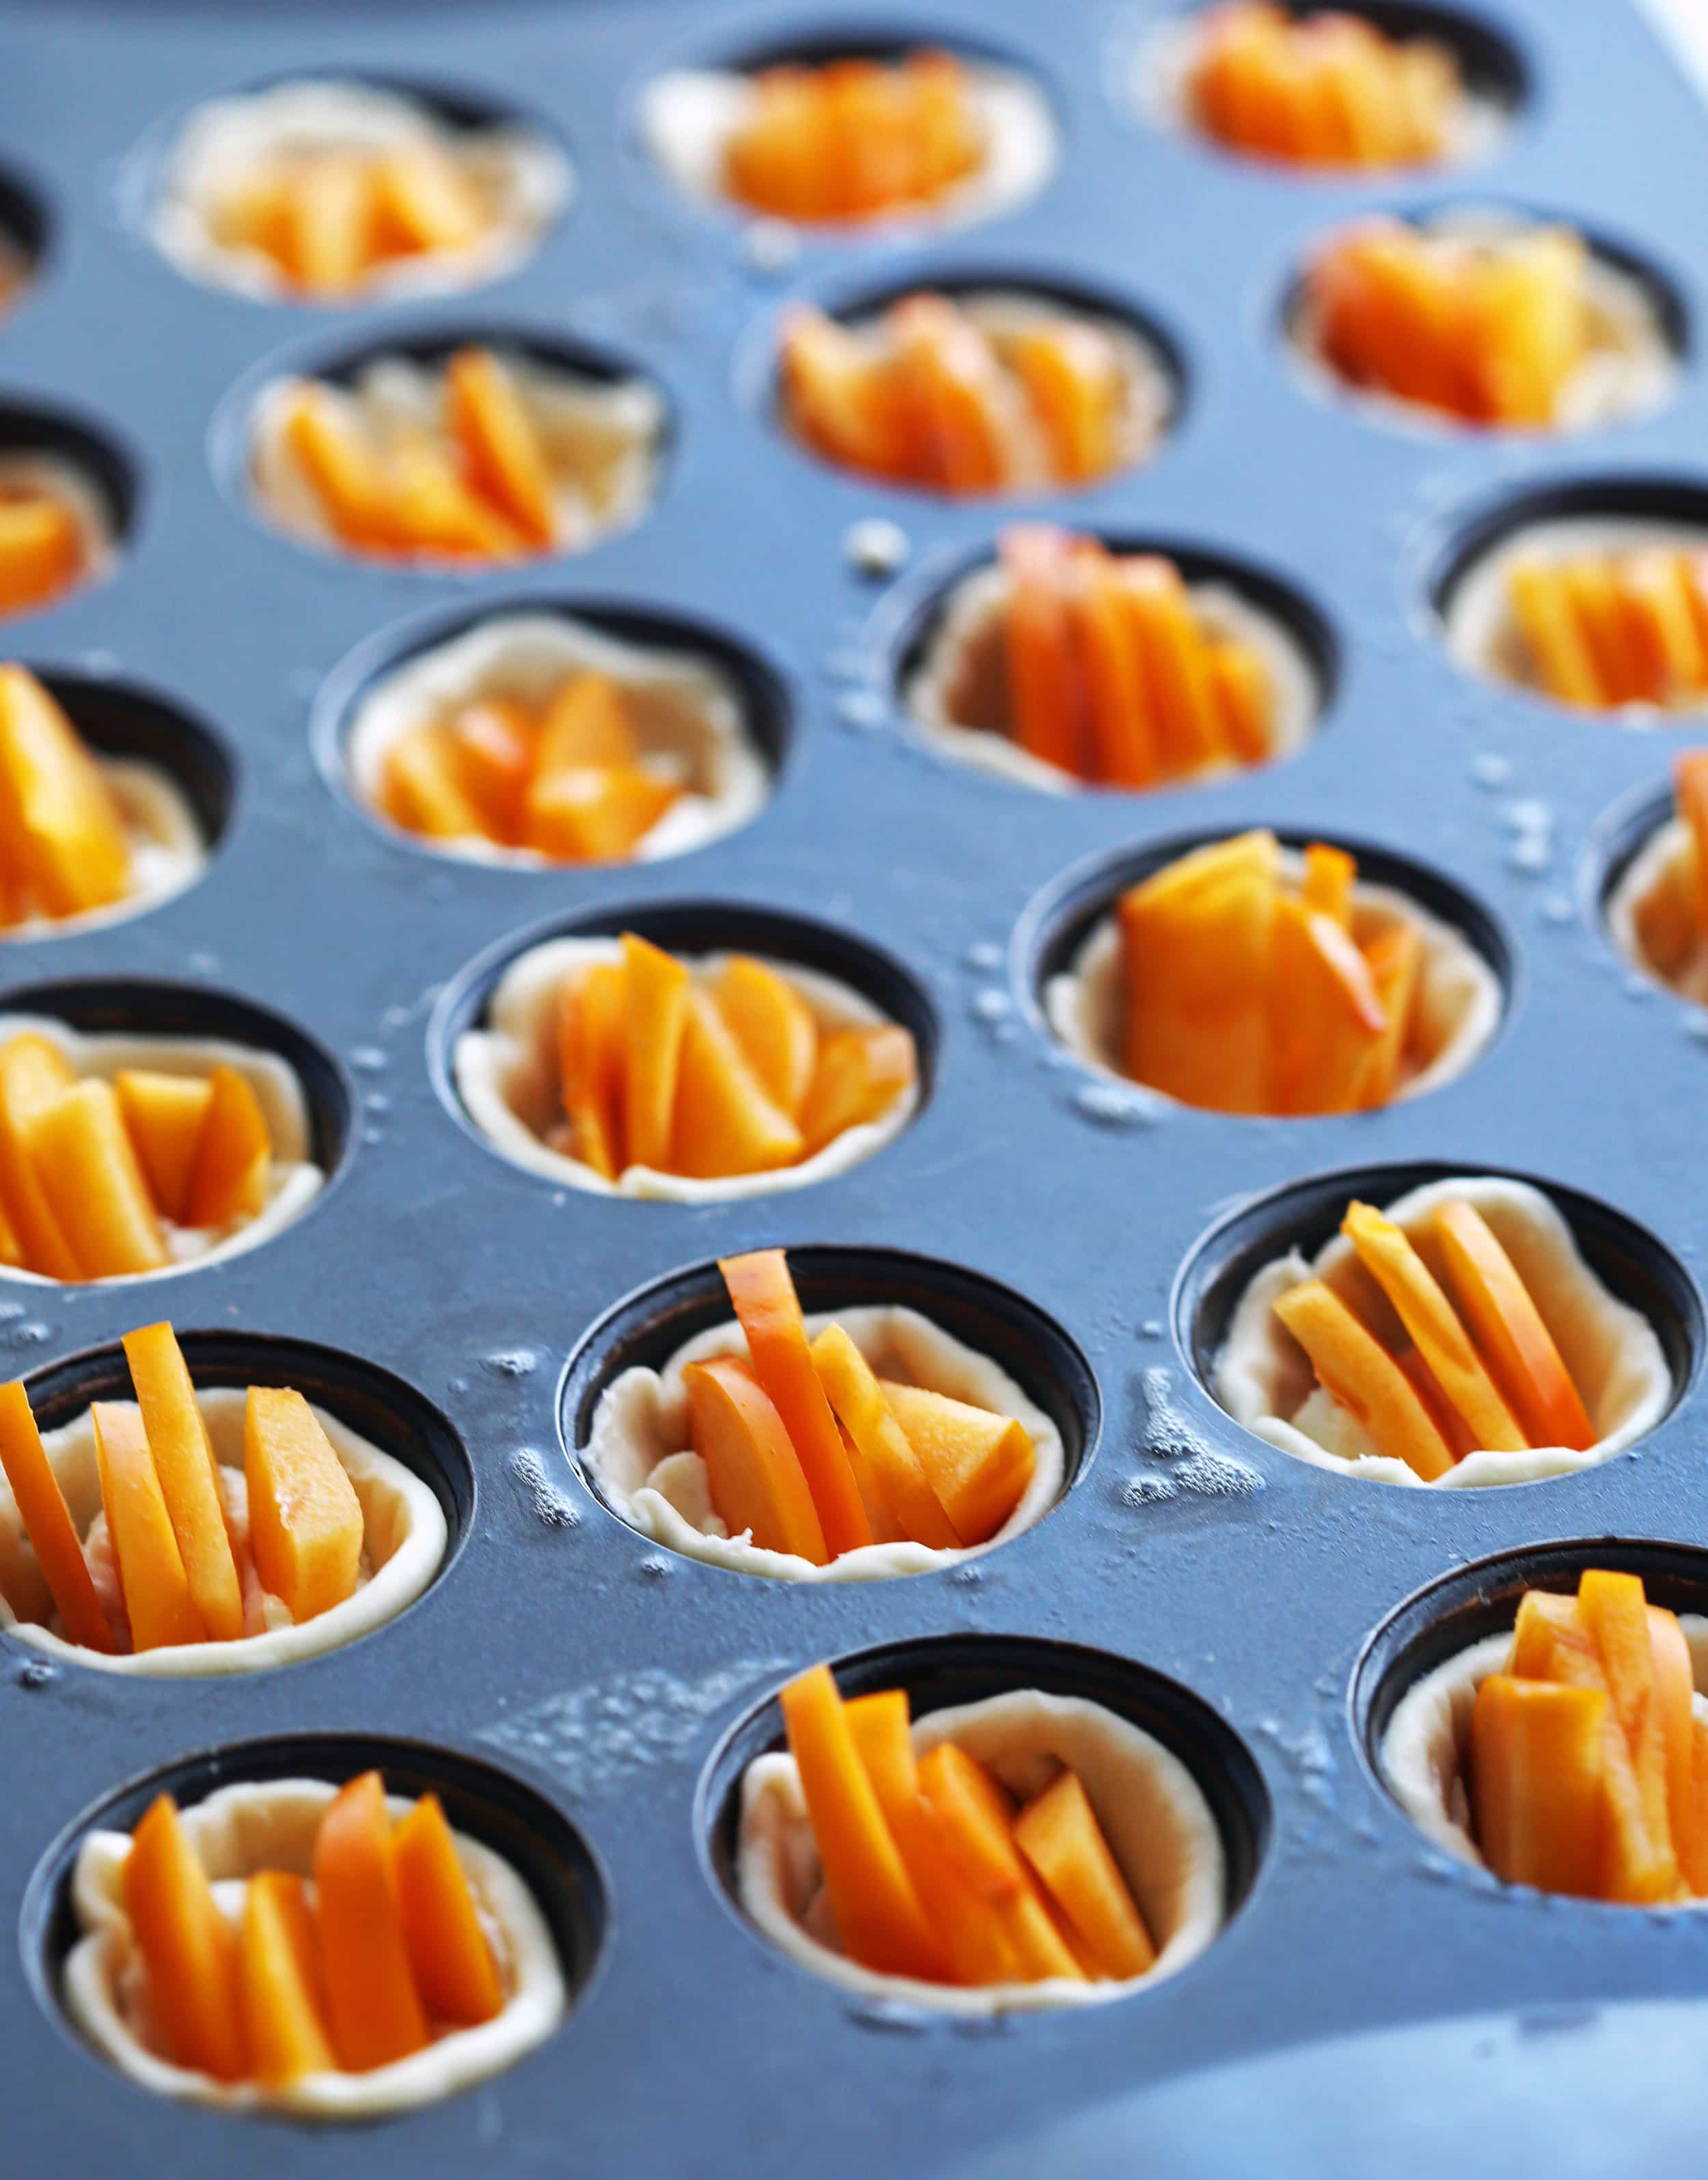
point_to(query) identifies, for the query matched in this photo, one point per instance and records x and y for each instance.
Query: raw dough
(507, 1078)
(1262, 1378)
(238, 1831)
(686, 714)
(639, 1460)
(960, 679)
(295, 1179)
(1153, 1813)
(1660, 862)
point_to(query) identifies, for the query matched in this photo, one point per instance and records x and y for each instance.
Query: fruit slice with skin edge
(375, 2013)
(596, 813)
(490, 422)
(1508, 1330)
(82, 1158)
(1543, 612)
(233, 1155)
(1691, 795)
(859, 1074)
(1073, 381)
(188, 1476)
(1537, 1787)
(1395, 961)
(1617, 1618)
(341, 468)
(769, 1314)
(1429, 1317)
(591, 1042)
(657, 1005)
(974, 1813)
(977, 1463)
(1110, 671)
(55, 807)
(755, 1476)
(851, 1386)
(1672, 1689)
(157, 1602)
(421, 788)
(188, 1950)
(1326, 1018)
(880, 1919)
(33, 1071)
(1058, 1833)
(47, 1523)
(164, 1116)
(283, 2004)
(774, 1025)
(1354, 1366)
(1047, 703)
(726, 1124)
(305, 1519)
(452, 1961)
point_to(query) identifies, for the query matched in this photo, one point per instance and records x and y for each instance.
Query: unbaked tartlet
(860, 142)
(1024, 1852)
(223, 1530)
(483, 455)
(614, 1066)
(291, 1946)
(1248, 978)
(324, 191)
(56, 530)
(1064, 664)
(1658, 910)
(536, 739)
(1459, 1338)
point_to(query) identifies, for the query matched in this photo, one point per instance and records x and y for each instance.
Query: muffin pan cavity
(78, 489)
(1175, 1789)
(1622, 1310)
(25, 238)
(256, 1804)
(411, 1473)
(622, 1410)
(1645, 889)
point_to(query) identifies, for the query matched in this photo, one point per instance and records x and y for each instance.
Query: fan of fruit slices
(51, 538)
(328, 1952)
(1250, 981)
(469, 464)
(711, 1076)
(1322, 89)
(851, 139)
(1658, 910)
(1103, 666)
(932, 1870)
(97, 1178)
(1494, 324)
(79, 836)
(1598, 631)
(1586, 1761)
(970, 395)
(175, 1564)
(808, 1453)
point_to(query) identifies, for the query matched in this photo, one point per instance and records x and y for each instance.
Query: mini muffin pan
(585, 1700)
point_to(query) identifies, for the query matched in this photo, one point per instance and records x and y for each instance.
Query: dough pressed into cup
(507, 1075)
(639, 1458)
(1263, 1380)
(686, 714)
(236, 1831)
(1151, 1810)
(294, 1179)
(403, 1540)
(1658, 877)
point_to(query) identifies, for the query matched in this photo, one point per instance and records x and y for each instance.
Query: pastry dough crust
(601, 439)
(1458, 1003)
(687, 117)
(168, 851)
(685, 714)
(1661, 862)
(295, 1180)
(403, 1545)
(507, 1078)
(639, 1459)
(1263, 1380)
(1630, 371)
(519, 171)
(955, 693)
(1153, 1812)
(1422, 1757)
(237, 1830)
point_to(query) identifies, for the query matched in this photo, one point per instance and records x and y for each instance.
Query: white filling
(1660, 862)
(52, 477)
(294, 1178)
(1424, 1750)
(600, 439)
(403, 1543)
(1628, 371)
(1457, 1007)
(686, 716)
(640, 1459)
(521, 179)
(1159, 84)
(1151, 1810)
(507, 1075)
(168, 851)
(971, 630)
(1483, 637)
(237, 1831)
(688, 116)
(1265, 1380)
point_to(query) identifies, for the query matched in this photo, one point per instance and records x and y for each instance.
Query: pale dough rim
(1668, 843)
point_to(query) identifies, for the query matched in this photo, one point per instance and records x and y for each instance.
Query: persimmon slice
(977, 1463)
(1046, 698)
(47, 1523)
(33, 1071)
(858, 1076)
(726, 1122)
(164, 1116)
(1690, 792)
(188, 1950)
(1058, 1833)
(233, 1155)
(1537, 1782)
(56, 804)
(657, 1006)
(305, 1520)
(854, 1392)
(1543, 612)
(282, 2003)
(756, 1483)
(1354, 1365)
(774, 1025)
(974, 1814)
(157, 1600)
(500, 442)
(188, 1476)
(81, 1156)
(592, 1033)
(1508, 1330)
(375, 2013)
(454, 1971)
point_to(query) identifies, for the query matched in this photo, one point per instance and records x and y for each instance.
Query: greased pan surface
(570, 1671)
